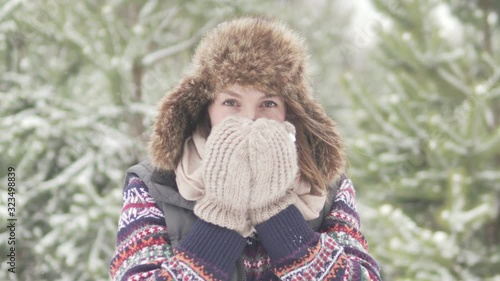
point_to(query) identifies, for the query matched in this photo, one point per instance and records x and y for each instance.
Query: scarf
(189, 178)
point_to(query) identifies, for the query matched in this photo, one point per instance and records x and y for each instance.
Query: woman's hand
(274, 168)
(227, 176)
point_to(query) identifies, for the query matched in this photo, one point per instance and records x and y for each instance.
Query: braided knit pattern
(227, 176)
(274, 167)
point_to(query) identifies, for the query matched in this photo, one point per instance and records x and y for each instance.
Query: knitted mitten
(226, 176)
(274, 166)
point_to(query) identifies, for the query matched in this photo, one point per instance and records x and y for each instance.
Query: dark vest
(178, 212)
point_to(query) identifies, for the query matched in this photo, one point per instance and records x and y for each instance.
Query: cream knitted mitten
(274, 166)
(227, 176)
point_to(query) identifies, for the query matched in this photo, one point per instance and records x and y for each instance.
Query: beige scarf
(189, 178)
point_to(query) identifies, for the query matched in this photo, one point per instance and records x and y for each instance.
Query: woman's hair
(295, 114)
(306, 127)
(204, 122)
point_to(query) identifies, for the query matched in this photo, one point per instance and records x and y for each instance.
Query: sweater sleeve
(338, 252)
(143, 249)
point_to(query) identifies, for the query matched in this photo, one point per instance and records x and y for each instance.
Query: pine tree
(427, 156)
(79, 86)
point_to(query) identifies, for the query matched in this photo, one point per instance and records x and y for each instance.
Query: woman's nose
(250, 114)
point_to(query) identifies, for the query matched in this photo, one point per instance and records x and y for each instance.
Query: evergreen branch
(156, 56)
(8, 8)
(454, 81)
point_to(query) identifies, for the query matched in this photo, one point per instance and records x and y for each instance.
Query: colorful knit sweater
(284, 248)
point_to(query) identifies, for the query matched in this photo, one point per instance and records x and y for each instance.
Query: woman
(244, 180)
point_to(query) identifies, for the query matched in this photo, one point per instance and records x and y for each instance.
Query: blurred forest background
(413, 85)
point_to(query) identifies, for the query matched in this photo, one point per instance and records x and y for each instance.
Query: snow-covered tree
(78, 90)
(427, 154)
(79, 86)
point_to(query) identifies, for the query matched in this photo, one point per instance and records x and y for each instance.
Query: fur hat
(249, 51)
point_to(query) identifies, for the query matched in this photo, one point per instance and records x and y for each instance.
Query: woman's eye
(270, 104)
(229, 103)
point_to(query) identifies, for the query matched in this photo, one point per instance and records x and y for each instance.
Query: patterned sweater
(284, 248)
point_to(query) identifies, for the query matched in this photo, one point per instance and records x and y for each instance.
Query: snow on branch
(454, 81)
(63, 177)
(169, 51)
(8, 8)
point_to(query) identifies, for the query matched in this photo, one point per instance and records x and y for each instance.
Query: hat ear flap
(178, 113)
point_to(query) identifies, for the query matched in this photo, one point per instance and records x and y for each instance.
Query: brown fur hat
(249, 51)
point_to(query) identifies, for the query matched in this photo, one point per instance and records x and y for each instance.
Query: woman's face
(245, 102)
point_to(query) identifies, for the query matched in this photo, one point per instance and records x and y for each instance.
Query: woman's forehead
(244, 91)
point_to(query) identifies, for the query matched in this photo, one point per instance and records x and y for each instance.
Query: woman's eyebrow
(265, 96)
(275, 96)
(231, 93)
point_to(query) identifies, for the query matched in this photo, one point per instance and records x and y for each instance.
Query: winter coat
(157, 191)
